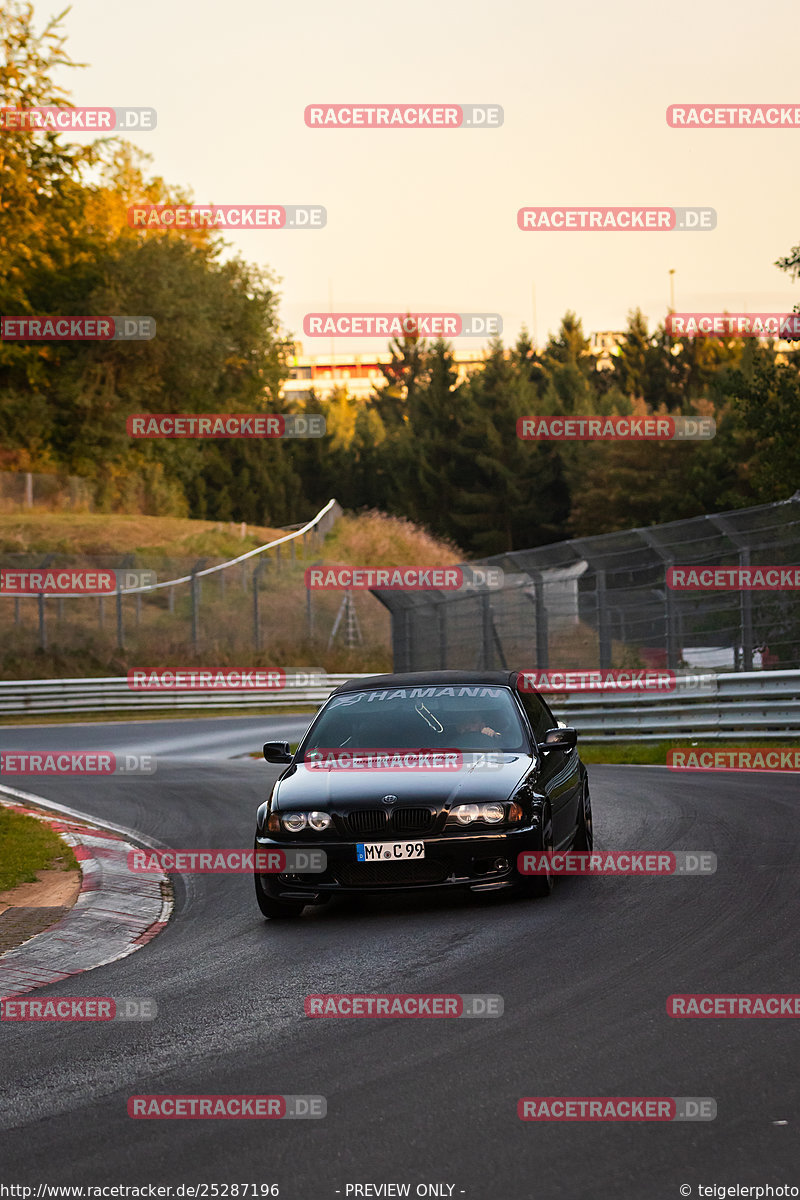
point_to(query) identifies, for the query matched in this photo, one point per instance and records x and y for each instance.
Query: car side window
(538, 714)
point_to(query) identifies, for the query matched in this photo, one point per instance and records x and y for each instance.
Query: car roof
(430, 679)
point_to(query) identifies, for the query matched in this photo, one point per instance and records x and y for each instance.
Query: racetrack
(584, 975)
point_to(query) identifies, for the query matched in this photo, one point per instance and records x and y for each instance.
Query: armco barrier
(757, 704)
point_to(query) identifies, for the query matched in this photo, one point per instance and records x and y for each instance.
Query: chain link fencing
(603, 602)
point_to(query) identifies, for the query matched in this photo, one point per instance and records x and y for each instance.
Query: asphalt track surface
(584, 974)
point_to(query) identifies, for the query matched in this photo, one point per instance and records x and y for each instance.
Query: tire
(539, 886)
(584, 838)
(276, 909)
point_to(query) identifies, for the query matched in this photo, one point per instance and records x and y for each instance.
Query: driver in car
(475, 723)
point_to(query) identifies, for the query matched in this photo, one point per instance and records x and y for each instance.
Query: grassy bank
(114, 533)
(294, 629)
(28, 846)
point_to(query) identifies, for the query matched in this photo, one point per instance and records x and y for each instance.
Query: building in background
(605, 346)
(361, 374)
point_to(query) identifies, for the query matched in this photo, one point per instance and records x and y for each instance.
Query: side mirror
(563, 739)
(277, 752)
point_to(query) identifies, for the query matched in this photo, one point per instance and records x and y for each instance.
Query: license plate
(389, 851)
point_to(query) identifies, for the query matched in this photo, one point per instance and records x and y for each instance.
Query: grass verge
(655, 753)
(28, 846)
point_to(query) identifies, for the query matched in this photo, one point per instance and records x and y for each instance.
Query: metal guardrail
(746, 704)
(758, 704)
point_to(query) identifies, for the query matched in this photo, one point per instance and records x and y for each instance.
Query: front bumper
(485, 861)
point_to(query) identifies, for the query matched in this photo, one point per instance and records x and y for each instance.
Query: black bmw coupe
(423, 781)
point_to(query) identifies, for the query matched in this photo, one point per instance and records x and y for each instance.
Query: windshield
(463, 718)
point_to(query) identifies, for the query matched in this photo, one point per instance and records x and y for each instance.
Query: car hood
(313, 787)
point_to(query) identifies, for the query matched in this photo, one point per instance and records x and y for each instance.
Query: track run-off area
(584, 976)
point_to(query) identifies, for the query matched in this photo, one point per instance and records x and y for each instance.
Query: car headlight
(491, 813)
(465, 814)
(294, 822)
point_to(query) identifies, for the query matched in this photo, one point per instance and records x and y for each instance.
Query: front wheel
(275, 909)
(540, 886)
(584, 838)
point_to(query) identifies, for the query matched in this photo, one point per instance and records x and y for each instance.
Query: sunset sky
(426, 220)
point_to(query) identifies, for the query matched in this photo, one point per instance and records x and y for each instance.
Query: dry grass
(577, 648)
(375, 540)
(78, 646)
(110, 533)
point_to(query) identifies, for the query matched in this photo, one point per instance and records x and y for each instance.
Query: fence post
(198, 566)
(746, 615)
(486, 628)
(603, 632)
(401, 641)
(42, 629)
(195, 608)
(442, 624)
(542, 631)
(256, 623)
(120, 629)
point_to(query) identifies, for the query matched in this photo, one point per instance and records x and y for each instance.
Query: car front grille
(381, 821)
(368, 820)
(412, 820)
(425, 870)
